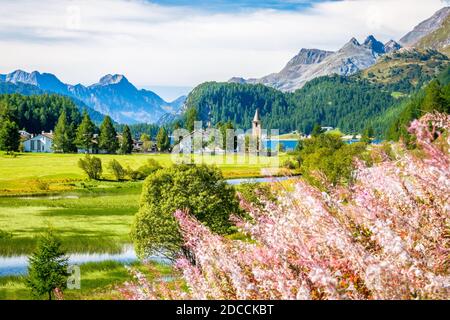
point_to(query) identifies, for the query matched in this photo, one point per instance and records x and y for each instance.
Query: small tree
(92, 166)
(108, 136)
(162, 140)
(9, 136)
(47, 269)
(127, 141)
(117, 169)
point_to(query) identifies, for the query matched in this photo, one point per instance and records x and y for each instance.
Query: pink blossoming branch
(384, 237)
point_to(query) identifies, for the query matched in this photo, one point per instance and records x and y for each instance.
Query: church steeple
(256, 125)
(256, 117)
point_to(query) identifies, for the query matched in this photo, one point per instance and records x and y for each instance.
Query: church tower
(256, 125)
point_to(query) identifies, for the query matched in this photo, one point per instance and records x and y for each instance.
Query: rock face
(313, 63)
(298, 65)
(425, 28)
(392, 46)
(113, 95)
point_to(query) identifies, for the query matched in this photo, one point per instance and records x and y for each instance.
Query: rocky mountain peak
(353, 42)
(22, 76)
(392, 46)
(373, 44)
(308, 56)
(110, 79)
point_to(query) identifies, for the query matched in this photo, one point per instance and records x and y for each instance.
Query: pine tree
(9, 135)
(127, 141)
(85, 133)
(63, 136)
(108, 136)
(162, 140)
(47, 267)
(434, 99)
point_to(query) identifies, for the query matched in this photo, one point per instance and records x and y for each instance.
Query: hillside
(31, 90)
(347, 103)
(38, 113)
(406, 69)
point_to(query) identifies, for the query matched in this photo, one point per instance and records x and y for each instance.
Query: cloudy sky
(180, 43)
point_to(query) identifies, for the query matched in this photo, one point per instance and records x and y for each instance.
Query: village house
(40, 143)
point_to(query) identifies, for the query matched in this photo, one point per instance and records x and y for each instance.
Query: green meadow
(94, 220)
(49, 172)
(42, 190)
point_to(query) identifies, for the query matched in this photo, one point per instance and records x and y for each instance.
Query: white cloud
(80, 41)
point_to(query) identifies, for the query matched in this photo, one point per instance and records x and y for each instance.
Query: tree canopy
(199, 189)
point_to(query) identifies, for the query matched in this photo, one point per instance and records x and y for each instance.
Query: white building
(41, 143)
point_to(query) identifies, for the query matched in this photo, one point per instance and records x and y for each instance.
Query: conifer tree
(108, 136)
(127, 141)
(85, 133)
(47, 269)
(63, 136)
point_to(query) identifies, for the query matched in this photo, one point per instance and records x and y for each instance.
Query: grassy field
(99, 281)
(94, 220)
(38, 172)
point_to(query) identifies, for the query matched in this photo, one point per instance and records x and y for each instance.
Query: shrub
(150, 167)
(42, 185)
(118, 171)
(92, 166)
(199, 189)
(144, 171)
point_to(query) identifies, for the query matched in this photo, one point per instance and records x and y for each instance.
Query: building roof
(256, 118)
(48, 135)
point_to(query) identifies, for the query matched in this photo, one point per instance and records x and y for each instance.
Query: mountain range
(412, 59)
(113, 95)
(353, 57)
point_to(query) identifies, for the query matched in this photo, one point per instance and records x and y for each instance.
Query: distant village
(43, 142)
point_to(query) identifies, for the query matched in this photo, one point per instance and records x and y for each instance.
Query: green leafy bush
(92, 166)
(201, 190)
(116, 168)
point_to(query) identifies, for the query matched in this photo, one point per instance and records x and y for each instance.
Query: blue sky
(236, 5)
(180, 44)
